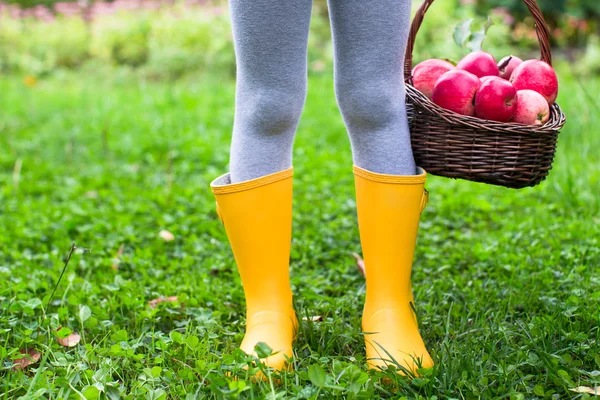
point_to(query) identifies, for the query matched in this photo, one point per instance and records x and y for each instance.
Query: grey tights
(270, 39)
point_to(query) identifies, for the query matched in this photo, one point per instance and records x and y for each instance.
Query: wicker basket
(456, 146)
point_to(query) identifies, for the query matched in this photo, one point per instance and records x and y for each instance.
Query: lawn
(507, 282)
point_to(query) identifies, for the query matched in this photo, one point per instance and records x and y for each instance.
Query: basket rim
(555, 123)
(541, 28)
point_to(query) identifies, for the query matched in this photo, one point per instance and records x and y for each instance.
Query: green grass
(507, 282)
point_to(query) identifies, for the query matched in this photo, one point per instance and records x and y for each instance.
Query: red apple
(532, 108)
(455, 90)
(426, 73)
(496, 100)
(538, 76)
(480, 64)
(507, 65)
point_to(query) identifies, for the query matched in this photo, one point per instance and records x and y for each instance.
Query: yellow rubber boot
(389, 208)
(257, 216)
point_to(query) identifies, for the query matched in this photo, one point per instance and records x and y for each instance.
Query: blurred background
(166, 39)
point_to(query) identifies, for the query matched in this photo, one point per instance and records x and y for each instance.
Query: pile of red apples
(511, 90)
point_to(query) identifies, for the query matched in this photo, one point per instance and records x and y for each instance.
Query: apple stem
(505, 63)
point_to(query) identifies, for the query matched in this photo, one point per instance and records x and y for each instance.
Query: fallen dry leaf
(360, 263)
(31, 357)
(584, 389)
(166, 235)
(316, 318)
(154, 303)
(117, 257)
(70, 341)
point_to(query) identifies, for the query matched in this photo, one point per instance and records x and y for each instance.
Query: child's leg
(270, 38)
(254, 200)
(370, 41)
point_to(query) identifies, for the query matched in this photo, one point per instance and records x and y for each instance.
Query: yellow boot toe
(392, 338)
(275, 329)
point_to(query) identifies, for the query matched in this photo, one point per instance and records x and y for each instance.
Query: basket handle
(541, 28)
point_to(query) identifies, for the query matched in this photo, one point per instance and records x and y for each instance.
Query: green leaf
(91, 393)
(476, 41)
(176, 337)
(112, 393)
(538, 390)
(238, 386)
(263, 350)
(115, 350)
(565, 376)
(362, 378)
(317, 375)
(420, 382)
(462, 32)
(157, 394)
(476, 38)
(487, 24)
(120, 336)
(33, 303)
(63, 333)
(451, 61)
(155, 371)
(192, 341)
(84, 313)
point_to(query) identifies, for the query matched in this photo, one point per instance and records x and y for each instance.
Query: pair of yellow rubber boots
(257, 216)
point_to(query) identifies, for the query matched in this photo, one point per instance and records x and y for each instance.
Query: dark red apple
(480, 64)
(507, 65)
(532, 108)
(496, 100)
(538, 76)
(426, 73)
(455, 90)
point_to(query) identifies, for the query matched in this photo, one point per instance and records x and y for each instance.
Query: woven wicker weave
(456, 146)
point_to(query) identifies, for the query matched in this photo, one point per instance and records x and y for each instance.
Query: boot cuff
(223, 185)
(398, 179)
